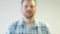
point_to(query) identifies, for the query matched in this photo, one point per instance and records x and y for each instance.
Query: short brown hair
(23, 1)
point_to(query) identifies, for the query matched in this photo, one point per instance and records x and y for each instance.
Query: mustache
(28, 11)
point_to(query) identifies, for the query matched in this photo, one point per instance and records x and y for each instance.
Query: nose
(28, 8)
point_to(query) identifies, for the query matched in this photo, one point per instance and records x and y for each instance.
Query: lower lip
(29, 13)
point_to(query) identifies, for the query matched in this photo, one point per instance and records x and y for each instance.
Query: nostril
(28, 8)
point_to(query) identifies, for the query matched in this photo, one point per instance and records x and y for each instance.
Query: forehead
(29, 2)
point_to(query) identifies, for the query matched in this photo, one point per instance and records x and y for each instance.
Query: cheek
(23, 10)
(33, 9)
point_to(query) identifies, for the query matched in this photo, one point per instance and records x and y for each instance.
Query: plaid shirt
(19, 28)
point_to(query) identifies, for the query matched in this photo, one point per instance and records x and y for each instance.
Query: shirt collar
(35, 22)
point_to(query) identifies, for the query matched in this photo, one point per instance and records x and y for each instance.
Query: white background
(47, 11)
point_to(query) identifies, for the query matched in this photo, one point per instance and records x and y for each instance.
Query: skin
(28, 10)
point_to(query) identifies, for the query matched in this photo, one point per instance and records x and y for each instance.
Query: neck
(28, 21)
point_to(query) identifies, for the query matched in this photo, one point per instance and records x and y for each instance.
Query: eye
(31, 6)
(26, 6)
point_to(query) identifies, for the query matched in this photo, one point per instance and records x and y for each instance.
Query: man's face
(28, 8)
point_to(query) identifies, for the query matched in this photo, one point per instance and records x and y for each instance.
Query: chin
(29, 16)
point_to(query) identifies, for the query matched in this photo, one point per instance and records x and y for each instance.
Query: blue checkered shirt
(37, 28)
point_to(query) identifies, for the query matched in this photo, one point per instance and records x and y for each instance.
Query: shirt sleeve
(11, 29)
(45, 30)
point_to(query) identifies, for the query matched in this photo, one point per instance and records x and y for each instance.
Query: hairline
(24, 0)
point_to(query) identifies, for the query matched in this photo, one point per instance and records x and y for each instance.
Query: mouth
(29, 12)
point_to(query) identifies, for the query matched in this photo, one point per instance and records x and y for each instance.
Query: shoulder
(41, 23)
(43, 26)
(15, 24)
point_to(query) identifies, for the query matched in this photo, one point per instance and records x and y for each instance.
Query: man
(28, 25)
